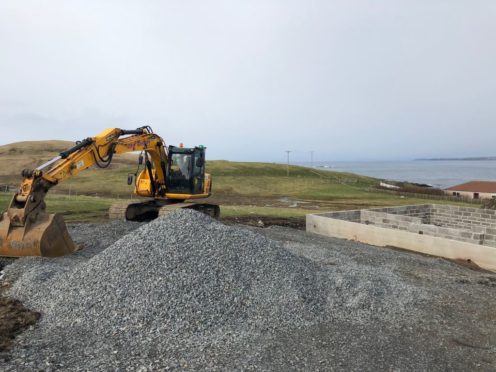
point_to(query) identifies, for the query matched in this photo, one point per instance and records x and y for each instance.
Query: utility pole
(288, 152)
(311, 159)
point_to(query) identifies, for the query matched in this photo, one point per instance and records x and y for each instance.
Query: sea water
(437, 173)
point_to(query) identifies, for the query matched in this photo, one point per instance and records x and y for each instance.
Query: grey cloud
(348, 79)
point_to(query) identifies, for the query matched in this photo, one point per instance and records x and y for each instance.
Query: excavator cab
(186, 170)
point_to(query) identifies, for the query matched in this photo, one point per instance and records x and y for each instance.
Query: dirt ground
(14, 317)
(283, 202)
(294, 223)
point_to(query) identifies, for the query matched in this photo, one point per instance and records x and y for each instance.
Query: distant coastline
(439, 174)
(479, 158)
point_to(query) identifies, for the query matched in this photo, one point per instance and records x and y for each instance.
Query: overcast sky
(350, 80)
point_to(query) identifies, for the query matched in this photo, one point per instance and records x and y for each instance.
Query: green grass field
(233, 179)
(244, 189)
(74, 209)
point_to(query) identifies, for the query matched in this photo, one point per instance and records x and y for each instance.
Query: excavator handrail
(48, 163)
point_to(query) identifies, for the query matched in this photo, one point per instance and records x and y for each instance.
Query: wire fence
(8, 188)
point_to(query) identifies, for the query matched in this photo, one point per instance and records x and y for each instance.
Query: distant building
(388, 186)
(474, 190)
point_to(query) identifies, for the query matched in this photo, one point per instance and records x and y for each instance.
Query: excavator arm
(26, 229)
(100, 151)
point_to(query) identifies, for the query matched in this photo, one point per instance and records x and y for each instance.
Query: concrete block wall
(481, 255)
(477, 221)
(462, 217)
(422, 211)
(469, 225)
(392, 221)
(490, 237)
(351, 216)
(472, 225)
(416, 225)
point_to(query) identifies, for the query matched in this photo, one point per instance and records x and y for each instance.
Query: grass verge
(74, 208)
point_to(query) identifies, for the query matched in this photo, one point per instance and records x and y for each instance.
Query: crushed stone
(187, 292)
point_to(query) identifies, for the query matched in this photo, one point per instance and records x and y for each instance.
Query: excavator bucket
(46, 236)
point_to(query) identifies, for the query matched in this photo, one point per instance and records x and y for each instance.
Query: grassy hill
(20, 155)
(230, 178)
(241, 188)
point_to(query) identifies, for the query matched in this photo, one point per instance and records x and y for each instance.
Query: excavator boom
(27, 230)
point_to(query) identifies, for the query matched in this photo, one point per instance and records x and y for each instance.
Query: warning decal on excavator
(79, 164)
(138, 144)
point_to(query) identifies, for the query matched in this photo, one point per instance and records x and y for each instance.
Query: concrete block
(484, 256)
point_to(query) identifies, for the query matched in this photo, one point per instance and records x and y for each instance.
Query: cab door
(198, 170)
(180, 171)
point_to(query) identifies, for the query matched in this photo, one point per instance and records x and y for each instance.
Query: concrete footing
(445, 231)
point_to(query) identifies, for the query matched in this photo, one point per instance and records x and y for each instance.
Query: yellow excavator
(170, 179)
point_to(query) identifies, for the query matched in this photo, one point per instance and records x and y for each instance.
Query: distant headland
(460, 159)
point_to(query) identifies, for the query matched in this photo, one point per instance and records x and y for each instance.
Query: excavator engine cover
(47, 236)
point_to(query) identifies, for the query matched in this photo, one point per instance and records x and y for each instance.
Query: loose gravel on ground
(187, 292)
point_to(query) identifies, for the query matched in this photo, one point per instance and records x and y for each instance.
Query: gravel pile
(186, 291)
(91, 239)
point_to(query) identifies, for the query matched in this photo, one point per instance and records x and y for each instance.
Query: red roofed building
(474, 190)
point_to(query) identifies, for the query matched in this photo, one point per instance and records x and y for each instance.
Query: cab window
(181, 165)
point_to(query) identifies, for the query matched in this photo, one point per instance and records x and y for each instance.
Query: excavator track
(149, 210)
(117, 210)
